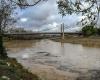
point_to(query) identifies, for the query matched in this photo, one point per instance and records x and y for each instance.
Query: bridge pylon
(62, 31)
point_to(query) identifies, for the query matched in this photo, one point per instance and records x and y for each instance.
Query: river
(52, 60)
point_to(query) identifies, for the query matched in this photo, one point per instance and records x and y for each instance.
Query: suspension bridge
(58, 31)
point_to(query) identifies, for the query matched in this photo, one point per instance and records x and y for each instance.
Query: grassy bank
(92, 41)
(10, 69)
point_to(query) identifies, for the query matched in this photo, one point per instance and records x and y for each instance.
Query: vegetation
(89, 9)
(18, 30)
(90, 30)
(7, 8)
(98, 31)
(11, 70)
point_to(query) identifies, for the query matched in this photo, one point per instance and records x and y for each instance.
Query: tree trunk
(3, 53)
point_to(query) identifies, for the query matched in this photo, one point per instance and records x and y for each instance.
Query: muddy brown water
(55, 60)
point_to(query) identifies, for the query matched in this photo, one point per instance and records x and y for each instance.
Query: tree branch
(26, 4)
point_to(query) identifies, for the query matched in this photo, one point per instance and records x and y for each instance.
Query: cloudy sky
(45, 16)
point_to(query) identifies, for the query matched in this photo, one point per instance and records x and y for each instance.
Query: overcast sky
(45, 15)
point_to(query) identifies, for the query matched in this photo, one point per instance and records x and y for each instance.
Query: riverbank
(10, 69)
(85, 41)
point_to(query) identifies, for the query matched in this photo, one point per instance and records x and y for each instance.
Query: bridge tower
(62, 31)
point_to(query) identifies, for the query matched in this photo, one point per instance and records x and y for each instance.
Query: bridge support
(62, 31)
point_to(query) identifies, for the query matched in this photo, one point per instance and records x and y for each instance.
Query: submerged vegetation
(11, 70)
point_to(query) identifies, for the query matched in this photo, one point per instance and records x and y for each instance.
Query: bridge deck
(78, 33)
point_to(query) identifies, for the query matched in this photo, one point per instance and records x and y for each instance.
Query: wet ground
(55, 60)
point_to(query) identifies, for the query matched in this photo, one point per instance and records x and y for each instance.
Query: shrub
(98, 31)
(89, 30)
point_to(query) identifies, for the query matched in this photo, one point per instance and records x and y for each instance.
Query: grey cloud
(44, 14)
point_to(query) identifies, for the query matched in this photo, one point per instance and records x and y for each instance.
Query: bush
(89, 30)
(98, 31)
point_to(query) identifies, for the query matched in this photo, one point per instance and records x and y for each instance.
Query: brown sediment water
(52, 60)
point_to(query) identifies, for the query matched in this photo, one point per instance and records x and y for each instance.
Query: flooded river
(55, 60)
